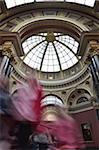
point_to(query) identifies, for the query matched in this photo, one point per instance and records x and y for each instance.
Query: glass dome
(50, 52)
(13, 3)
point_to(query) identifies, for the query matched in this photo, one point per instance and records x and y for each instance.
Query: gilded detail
(94, 48)
(8, 51)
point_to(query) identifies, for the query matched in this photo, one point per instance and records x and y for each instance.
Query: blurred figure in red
(37, 94)
(66, 131)
(27, 99)
(26, 102)
(63, 133)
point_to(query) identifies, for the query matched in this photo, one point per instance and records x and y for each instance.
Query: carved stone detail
(8, 51)
(94, 48)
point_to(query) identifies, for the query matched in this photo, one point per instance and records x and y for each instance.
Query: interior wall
(90, 117)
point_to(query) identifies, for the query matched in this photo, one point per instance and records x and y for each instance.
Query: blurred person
(5, 99)
(39, 141)
(27, 101)
(21, 131)
(26, 110)
(5, 116)
(63, 132)
(39, 138)
(66, 132)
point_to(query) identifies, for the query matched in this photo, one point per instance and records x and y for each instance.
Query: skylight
(13, 3)
(50, 52)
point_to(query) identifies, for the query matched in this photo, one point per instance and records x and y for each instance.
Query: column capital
(94, 48)
(7, 49)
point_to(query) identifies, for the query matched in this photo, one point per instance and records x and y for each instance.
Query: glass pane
(49, 0)
(12, 3)
(51, 100)
(53, 49)
(26, 60)
(50, 59)
(70, 0)
(80, 1)
(28, 1)
(84, 2)
(19, 2)
(90, 2)
(82, 100)
(74, 60)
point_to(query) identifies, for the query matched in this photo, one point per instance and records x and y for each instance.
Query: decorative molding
(94, 48)
(11, 37)
(8, 50)
(55, 85)
(86, 42)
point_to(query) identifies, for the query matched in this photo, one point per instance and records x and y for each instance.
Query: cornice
(8, 14)
(56, 85)
(51, 24)
(14, 38)
(86, 37)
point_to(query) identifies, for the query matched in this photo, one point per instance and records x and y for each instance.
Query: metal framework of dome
(50, 52)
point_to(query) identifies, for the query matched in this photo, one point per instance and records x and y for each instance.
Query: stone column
(93, 61)
(8, 56)
(94, 53)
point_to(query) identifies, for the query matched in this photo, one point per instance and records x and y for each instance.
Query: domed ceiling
(50, 34)
(50, 51)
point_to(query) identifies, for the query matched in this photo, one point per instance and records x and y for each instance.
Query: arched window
(82, 99)
(51, 100)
